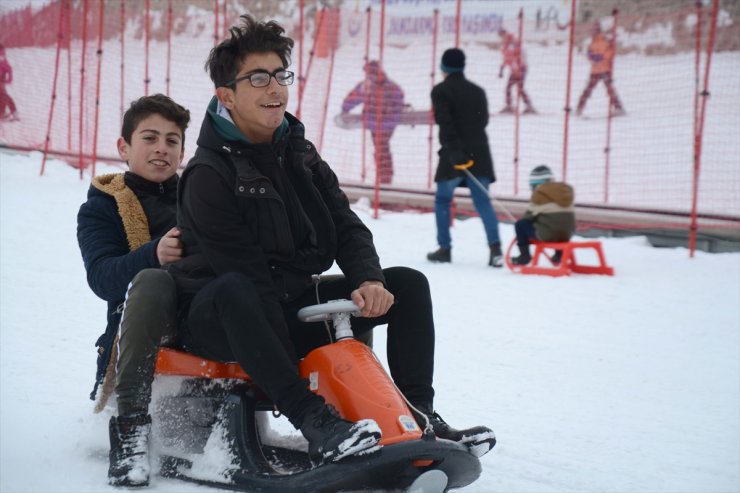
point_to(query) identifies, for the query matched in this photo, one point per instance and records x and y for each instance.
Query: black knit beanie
(453, 61)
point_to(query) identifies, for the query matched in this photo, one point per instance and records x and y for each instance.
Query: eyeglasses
(261, 78)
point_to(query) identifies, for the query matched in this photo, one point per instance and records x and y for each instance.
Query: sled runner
(220, 399)
(349, 121)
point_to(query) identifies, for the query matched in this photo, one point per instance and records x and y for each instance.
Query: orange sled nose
(348, 375)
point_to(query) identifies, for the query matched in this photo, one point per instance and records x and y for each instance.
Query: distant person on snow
(262, 217)
(382, 104)
(516, 60)
(7, 105)
(550, 216)
(461, 111)
(126, 232)
(601, 53)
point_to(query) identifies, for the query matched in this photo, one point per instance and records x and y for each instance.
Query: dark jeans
(524, 234)
(227, 322)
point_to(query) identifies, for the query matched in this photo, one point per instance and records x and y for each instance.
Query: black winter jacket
(118, 230)
(461, 111)
(273, 212)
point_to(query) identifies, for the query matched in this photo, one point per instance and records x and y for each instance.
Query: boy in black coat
(262, 217)
(126, 232)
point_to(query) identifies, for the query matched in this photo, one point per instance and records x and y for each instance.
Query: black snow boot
(440, 255)
(496, 258)
(129, 450)
(557, 257)
(524, 257)
(332, 438)
(478, 439)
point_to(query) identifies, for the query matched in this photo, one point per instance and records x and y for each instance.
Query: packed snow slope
(593, 384)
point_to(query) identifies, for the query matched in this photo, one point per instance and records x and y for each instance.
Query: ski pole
(464, 169)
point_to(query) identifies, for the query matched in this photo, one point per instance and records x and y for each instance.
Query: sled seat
(179, 363)
(568, 263)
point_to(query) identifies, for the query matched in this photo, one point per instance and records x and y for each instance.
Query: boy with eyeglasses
(262, 217)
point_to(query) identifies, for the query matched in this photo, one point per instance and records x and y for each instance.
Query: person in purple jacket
(383, 102)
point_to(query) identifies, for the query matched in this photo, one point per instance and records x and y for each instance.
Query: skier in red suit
(601, 53)
(6, 77)
(515, 59)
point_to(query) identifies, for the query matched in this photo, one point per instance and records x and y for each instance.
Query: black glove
(459, 158)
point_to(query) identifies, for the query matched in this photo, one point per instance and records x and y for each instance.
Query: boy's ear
(123, 147)
(226, 96)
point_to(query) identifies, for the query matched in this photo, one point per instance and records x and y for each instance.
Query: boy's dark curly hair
(156, 104)
(251, 36)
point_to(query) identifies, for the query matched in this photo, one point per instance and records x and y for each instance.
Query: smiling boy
(262, 217)
(126, 232)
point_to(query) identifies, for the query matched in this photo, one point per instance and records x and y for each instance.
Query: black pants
(227, 322)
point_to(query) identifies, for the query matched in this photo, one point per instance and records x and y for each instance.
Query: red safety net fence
(672, 156)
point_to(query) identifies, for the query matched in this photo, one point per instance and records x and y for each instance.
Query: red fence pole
(302, 87)
(169, 44)
(69, 75)
(146, 48)
(376, 194)
(101, 8)
(567, 87)
(458, 9)
(60, 37)
(520, 47)
(607, 148)
(325, 111)
(301, 80)
(215, 22)
(433, 80)
(225, 21)
(363, 172)
(123, 51)
(700, 133)
(82, 83)
(697, 63)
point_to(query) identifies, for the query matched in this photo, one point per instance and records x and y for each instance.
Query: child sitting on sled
(550, 216)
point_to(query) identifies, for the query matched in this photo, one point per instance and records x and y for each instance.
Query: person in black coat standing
(461, 111)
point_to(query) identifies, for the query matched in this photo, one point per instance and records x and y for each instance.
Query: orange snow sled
(221, 397)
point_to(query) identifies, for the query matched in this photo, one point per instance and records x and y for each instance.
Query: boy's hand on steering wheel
(372, 299)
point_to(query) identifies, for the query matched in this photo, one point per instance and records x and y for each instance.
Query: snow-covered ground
(612, 384)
